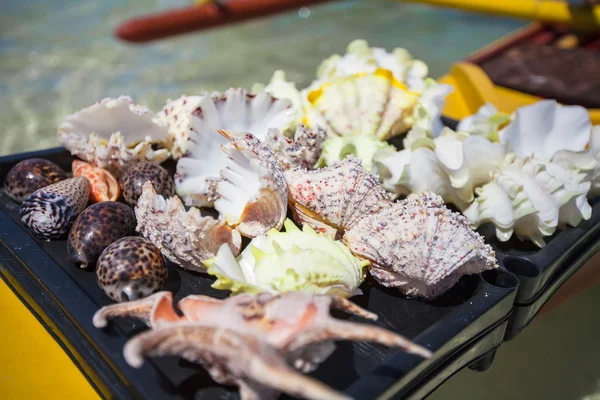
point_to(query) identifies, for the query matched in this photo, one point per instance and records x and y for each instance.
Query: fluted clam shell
(419, 246)
(335, 198)
(184, 237)
(49, 212)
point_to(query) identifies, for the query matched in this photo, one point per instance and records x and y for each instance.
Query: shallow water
(57, 57)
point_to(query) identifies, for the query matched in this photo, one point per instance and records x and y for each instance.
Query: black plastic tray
(462, 327)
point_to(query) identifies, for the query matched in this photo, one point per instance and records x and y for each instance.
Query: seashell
(287, 261)
(595, 153)
(335, 198)
(96, 228)
(49, 212)
(247, 340)
(114, 134)
(30, 175)
(486, 122)
(252, 190)
(184, 237)
(427, 112)
(364, 104)
(364, 148)
(531, 198)
(451, 165)
(177, 114)
(303, 151)
(135, 177)
(103, 186)
(360, 58)
(419, 246)
(130, 269)
(234, 110)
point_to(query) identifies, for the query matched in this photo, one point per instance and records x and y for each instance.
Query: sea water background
(59, 56)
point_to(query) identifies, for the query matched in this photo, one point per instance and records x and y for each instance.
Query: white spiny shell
(363, 104)
(252, 192)
(335, 198)
(303, 151)
(531, 198)
(419, 246)
(184, 237)
(428, 111)
(485, 122)
(176, 114)
(360, 58)
(114, 134)
(234, 110)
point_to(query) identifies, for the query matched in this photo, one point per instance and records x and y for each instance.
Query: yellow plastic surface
(550, 11)
(32, 364)
(473, 88)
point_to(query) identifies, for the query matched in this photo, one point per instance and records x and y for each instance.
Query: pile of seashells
(324, 154)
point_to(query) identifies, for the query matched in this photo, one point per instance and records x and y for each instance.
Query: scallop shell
(419, 246)
(531, 198)
(364, 104)
(114, 134)
(50, 211)
(303, 151)
(184, 237)
(334, 199)
(252, 191)
(360, 58)
(234, 110)
(177, 114)
(103, 186)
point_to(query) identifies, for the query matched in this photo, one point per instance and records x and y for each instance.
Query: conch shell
(103, 186)
(303, 151)
(287, 261)
(234, 110)
(252, 192)
(177, 114)
(335, 198)
(251, 339)
(184, 237)
(419, 246)
(114, 134)
(363, 104)
(531, 198)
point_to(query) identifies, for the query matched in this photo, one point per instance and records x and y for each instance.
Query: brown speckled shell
(30, 175)
(96, 228)
(49, 212)
(134, 178)
(131, 268)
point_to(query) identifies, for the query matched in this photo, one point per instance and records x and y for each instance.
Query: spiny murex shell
(184, 237)
(114, 133)
(252, 192)
(419, 246)
(333, 199)
(303, 151)
(531, 198)
(234, 110)
(364, 104)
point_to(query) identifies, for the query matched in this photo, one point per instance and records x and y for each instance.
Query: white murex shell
(184, 237)
(419, 246)
(114, 134)
(235, 110)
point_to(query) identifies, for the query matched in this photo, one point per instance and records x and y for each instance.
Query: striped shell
(419, 246)
(49, 212)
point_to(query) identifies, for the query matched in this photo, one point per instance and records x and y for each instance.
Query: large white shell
(486, 122)
(363, 104)
(531, 198)
(234, 110)
(184, 237)
(303, 151)
(419, 246)
(335, 198)
(252, 192)
(360, 58)
(114, 134)
(428, 111)
(176, 114)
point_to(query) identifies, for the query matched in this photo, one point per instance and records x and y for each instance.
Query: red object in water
(195, 18)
